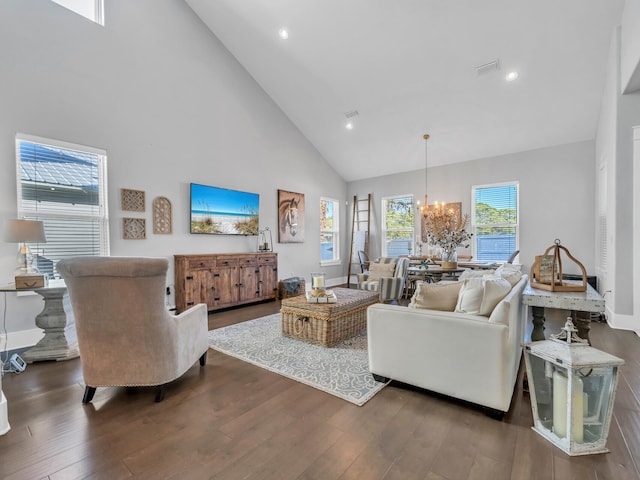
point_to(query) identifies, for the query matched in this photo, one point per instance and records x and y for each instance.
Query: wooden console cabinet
(225, 280)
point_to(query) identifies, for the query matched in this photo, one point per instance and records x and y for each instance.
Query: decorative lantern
(265, 244)
(572, 387)
(317, 281)
(546, 271)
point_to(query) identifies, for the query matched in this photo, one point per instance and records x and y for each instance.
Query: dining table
(478, 264)
(430, 274)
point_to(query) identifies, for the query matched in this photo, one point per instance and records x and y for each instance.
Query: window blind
(495, 221)
(64, 188)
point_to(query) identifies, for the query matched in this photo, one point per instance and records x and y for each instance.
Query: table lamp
(23, 231)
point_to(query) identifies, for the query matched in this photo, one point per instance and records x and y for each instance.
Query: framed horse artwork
(290, 217)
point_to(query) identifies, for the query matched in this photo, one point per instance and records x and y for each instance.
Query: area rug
(342, 370)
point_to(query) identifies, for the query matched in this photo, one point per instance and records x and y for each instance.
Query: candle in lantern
(560, 387)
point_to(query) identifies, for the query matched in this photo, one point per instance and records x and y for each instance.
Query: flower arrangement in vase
(445, 228)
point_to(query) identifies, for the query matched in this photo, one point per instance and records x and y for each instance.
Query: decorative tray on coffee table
(321, 296)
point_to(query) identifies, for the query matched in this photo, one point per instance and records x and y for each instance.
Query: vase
(449, 258)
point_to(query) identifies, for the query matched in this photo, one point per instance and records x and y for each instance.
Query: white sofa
(469, 357)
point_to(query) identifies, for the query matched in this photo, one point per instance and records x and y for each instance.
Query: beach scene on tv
(222, 211)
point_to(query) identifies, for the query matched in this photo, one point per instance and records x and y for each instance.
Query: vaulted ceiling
(409, 67)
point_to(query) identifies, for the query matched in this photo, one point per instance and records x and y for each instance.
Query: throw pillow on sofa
(510, 272)
(441, 296)
(379, 270)
(479, 296)
(475, 274)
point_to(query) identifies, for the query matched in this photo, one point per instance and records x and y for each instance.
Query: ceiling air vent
(351, 114)
(492, 66)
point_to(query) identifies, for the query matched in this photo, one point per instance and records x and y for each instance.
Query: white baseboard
(623, 322)
(21, 338)
(332, 282)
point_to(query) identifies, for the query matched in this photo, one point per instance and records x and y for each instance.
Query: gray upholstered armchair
(126, 336)
(387, 276)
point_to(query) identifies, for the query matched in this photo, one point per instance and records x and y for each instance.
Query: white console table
(580, 303)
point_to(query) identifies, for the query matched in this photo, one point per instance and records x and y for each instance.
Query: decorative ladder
(360, 221)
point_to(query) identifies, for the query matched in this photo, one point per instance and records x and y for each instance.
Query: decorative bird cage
(546, 271)
(572, 387)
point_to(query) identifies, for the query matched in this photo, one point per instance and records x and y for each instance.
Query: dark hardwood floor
(232, 420)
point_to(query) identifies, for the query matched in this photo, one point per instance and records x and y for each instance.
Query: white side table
(59, 341)
(580, 303)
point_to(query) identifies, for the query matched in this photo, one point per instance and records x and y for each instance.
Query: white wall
(606, 152)
(170, 105)
(630, 47)
(557, 196)
(636, 226)
(614, 151)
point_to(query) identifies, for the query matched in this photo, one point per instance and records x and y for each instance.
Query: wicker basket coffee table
(327, 324)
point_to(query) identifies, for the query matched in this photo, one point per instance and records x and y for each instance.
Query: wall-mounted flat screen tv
(220, 211)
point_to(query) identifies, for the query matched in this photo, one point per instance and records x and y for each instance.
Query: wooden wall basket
(546, 272)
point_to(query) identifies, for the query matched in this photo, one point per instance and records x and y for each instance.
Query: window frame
(475, 226)
(101, 218)
(97, 10)
(335, 232)
(383, 224)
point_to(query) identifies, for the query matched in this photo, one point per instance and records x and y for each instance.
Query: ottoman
(327, 324)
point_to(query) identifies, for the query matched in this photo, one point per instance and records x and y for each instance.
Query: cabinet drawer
(267, 260)
(226, 261)
(248, 260)
(201, 263)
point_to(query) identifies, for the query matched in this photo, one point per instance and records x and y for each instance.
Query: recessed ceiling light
(350, 115)
(511, 76)
(283, 33)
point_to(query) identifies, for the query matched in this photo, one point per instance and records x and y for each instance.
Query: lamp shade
(17, 231)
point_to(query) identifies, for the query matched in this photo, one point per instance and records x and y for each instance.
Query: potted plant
(445, 228)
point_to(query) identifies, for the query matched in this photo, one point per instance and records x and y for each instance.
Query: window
(329, 231)
(397, 226)
(63, 185)
(494, 219)
(91, 9)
